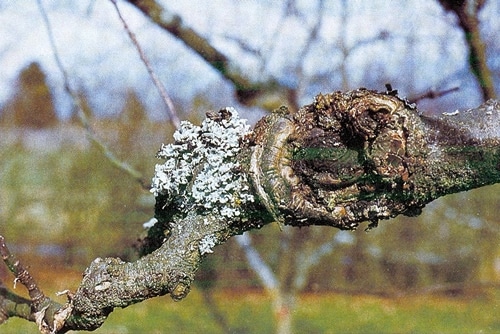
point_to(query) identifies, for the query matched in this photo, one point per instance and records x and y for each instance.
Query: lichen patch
(200, 169)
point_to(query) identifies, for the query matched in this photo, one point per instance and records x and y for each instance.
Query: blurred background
(63, 203)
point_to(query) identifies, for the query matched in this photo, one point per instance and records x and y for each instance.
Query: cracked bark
(345, 159)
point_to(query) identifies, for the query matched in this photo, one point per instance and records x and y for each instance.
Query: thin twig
(174, 119)
(433, 94)
(22, 275)
(78, 105)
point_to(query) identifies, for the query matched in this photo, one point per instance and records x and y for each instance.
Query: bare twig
(433, 94)
(78, 105)
(38, 298)
(313, 33)
(312, 38)
(174, 118)
(49, 315)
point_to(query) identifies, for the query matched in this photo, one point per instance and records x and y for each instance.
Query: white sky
(425, 48)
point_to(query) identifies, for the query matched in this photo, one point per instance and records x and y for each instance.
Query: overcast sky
(424, 47)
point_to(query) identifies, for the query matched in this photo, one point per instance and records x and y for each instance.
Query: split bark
(345, 159)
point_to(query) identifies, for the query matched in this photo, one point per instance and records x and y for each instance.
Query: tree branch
(12, 305)
(78, 106)
(174, 118)
(247, 92)
(39, 308)
(467, 12)
(342, 160)
(433, 94)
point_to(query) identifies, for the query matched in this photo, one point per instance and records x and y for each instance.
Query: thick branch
(342, 160)
(12, 305)
(364, 156)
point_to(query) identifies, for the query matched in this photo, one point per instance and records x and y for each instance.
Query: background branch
(467, 13)
(173, 116)
(433, 94)
(247, 92)
(371, 170)
(78, 105)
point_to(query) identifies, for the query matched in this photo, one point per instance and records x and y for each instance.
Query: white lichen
(200, 170)
(454, 113)
(207, 243)
(150, 223)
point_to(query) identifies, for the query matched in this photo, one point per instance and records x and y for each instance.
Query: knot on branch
(346, 158)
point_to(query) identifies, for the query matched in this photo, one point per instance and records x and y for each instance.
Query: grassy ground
(249, 312)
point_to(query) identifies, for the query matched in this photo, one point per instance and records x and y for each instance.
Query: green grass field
(250, 312)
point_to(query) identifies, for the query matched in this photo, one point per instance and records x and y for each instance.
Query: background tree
(32, 105)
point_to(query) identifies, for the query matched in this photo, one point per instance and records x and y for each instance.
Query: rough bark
(345, 159)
